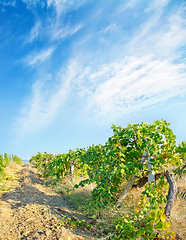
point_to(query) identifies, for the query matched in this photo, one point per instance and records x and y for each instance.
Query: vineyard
(129, 158)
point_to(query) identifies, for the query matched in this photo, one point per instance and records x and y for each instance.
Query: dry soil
(30, 210)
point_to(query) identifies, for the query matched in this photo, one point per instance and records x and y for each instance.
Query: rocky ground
(30, 210)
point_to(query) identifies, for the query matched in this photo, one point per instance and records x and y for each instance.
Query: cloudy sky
(70, 69)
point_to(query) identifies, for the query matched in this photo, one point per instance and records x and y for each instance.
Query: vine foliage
(116, 161)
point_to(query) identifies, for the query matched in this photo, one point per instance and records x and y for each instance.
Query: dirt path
(33, 211)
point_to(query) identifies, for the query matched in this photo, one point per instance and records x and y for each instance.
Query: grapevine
(120, 159)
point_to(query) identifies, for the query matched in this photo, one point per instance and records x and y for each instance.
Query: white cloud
(156, 5)
(60, 4)
(134, 84)
(64, 32)
(11, 3)
(39, 57)
(172, 38)
(33, 3)
(52, 29)
(6, 3)
(131, 3)
(160, 38)
(34, 33)
(48, 95)
(63, 6)
(109, 28)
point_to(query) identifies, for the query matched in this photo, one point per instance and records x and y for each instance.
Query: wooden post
(72, 169)
(151, 175)
(126, 190)
(151, 178)
(172, 193)
(131, 182)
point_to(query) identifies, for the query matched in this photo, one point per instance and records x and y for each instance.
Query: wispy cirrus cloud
(33, 3)
(157, 5)
(34, 32)
(39, 57)
(52, 32)
(135, 84)
(63, 6)
(50, 29)
(109, 28)
(62, 32)
(11, 3)
(46, 100)
(174, 36)
(60, 6)
(165, 35)
(131, 3)
(6, 3)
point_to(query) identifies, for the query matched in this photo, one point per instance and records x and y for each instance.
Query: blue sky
(70, 69)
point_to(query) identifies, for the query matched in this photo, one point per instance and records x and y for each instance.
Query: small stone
(48, 232)
(26, 233)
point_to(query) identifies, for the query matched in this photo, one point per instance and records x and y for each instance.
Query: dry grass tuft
(9, 176)
(78, 198)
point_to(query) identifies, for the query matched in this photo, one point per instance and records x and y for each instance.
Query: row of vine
(117, 160)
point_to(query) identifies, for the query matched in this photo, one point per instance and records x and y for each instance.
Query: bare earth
(31, 210)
